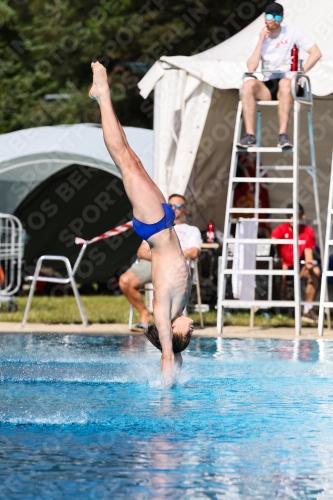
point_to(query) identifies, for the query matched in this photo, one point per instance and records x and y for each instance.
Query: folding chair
(70, 270)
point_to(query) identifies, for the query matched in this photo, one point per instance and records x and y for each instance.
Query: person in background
(140, 272)
(273, 48)
(310, 271)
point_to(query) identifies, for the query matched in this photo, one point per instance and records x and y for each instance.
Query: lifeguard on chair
(273, 47)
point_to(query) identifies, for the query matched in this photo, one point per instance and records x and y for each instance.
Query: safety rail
(11, 255)
(295, 80)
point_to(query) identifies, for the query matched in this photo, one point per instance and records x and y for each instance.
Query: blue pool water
(85, 417)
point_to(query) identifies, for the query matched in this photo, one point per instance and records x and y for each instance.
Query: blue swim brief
(145, 231)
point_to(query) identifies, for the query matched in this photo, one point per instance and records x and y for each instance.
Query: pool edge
(122, 329)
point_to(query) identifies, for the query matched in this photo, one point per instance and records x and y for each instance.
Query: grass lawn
(110, 309)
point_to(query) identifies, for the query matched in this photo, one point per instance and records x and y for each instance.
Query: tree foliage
(46, 48)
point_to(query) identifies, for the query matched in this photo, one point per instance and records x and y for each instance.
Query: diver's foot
(100, 84)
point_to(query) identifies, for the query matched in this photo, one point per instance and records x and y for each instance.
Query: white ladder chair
(324, 301)
(277, 213)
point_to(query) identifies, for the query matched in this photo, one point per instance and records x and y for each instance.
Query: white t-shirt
(276, 52)
(189, 236)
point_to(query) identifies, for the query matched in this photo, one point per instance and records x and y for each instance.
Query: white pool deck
(122, 329)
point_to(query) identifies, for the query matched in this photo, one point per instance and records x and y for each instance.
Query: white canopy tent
(28, 157)
(195, 108)
(61, 182)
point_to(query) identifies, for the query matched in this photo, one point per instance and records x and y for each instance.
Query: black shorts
(273, 87)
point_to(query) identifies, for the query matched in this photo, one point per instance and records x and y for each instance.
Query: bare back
(170, 270)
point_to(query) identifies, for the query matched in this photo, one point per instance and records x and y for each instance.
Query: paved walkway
(113, 329)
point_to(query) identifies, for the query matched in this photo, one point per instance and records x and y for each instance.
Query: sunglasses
(177, 206)
(276, 17)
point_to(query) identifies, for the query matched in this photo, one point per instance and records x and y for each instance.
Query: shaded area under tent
(54, 213)
(61, 182)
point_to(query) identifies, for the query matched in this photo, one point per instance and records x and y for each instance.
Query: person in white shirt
(140, 272)
(273, 48)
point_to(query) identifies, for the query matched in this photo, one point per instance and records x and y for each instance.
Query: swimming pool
(85, 417)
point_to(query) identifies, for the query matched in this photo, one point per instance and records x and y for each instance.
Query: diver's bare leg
(143, 193)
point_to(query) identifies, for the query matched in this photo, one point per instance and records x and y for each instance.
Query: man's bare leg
(253, 90)
(313, 281)
(130, 284)
(284, 283)
(285, 104)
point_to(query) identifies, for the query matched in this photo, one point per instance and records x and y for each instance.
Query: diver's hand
(168, 370)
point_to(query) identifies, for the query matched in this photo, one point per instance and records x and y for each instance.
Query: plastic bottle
(210, 232)
(294, 58)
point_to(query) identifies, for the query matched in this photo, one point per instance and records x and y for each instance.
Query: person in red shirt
(310, 270)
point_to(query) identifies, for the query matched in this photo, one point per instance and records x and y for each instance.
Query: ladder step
(329, 273)
(265, 241)
(328, 304)
(314, 303)
(283, 211)
(330, 242)
(258, 272)
(265, 180)
(284, 167)
(234, 221)
(264, 150)
(268, 103)
(243, 304)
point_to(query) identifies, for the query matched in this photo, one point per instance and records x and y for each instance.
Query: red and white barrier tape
(112, 232)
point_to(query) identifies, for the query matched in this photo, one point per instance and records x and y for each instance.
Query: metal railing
(11, 255)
